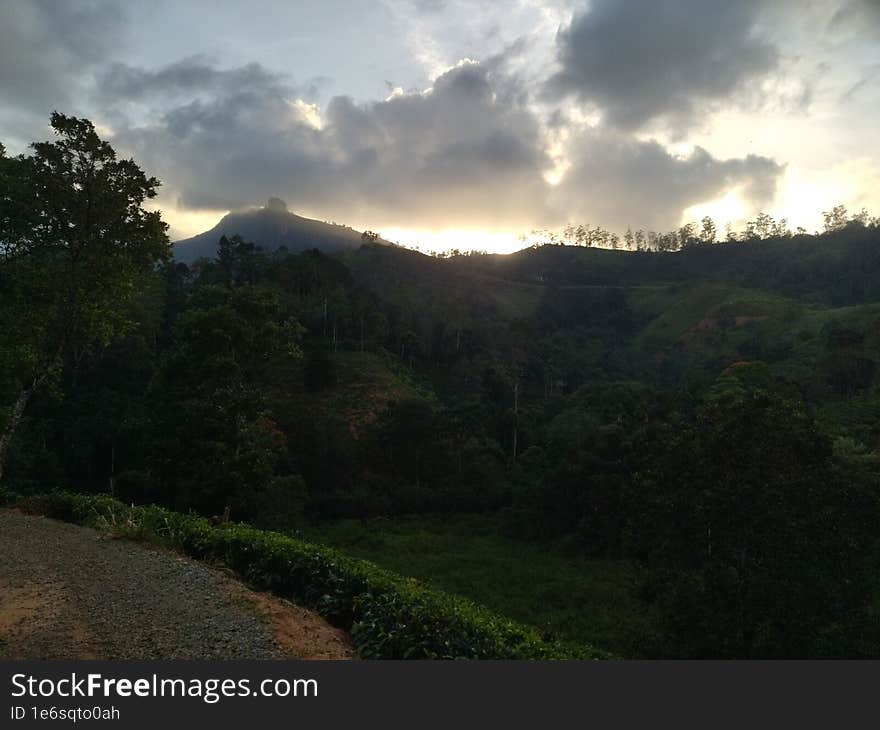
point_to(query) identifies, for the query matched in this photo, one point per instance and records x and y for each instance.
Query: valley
(567, 451)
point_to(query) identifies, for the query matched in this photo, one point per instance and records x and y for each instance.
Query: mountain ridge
(271, 227)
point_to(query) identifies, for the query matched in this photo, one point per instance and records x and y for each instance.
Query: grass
(553, 588)
(676, 309)
(389, 616)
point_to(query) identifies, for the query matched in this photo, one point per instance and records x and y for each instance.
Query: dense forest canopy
(707, 409)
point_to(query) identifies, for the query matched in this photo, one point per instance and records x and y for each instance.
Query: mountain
(270, 227)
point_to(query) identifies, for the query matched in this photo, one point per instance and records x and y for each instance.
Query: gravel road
(69, 592)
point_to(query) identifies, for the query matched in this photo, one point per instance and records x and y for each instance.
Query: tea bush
(389, 616)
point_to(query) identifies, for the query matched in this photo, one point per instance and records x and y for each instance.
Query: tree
(239, 261)
(216, 439)
(862, 219)
(687, 235)
(640, 240)
(369, 237)
(835, 219)
(759, 547)
(764, 226)
(780, 229)
(76, 247)
(406, 431)
(708, 232)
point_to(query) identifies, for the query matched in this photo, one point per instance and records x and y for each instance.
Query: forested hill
(838, 268)
(709, 415)
(380, 380)
(272, 227)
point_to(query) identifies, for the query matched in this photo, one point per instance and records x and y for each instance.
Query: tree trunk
(113, 469)
(14, 419)
(515, 417)
(21, 403)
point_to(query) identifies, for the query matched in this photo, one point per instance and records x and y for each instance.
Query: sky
(463, 123)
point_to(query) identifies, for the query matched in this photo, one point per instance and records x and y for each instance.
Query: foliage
(551, 585)
(216, 444)
(77, 236)
(77, 247)
(388, 616)
(759, 544)
(623, 402)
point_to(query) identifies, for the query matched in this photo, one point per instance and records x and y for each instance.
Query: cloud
(472, 149)
(429, 6)
(467, 151)
(47, 51)
(861, 15)
(867, 78)
(617, 181)
(642, 60)
(188, 76)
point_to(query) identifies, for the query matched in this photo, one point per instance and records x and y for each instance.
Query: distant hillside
(839, 268)
(808, 307)
(271, 227)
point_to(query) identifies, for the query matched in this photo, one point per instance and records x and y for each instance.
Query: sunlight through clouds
(445, 240)
(466, 116)
(726, 209)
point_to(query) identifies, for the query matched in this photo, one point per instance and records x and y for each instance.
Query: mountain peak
(276, 205)
(270, 227)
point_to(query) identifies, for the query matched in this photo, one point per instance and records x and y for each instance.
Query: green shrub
(389, 616)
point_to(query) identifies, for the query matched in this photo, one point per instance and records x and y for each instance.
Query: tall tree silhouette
(76, 242)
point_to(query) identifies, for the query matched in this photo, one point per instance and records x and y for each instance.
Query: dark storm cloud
(619, 181)
(213, 153)
(471, 150)
(48, 49)
(640, 60)
(467, 151)
(188, 76)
